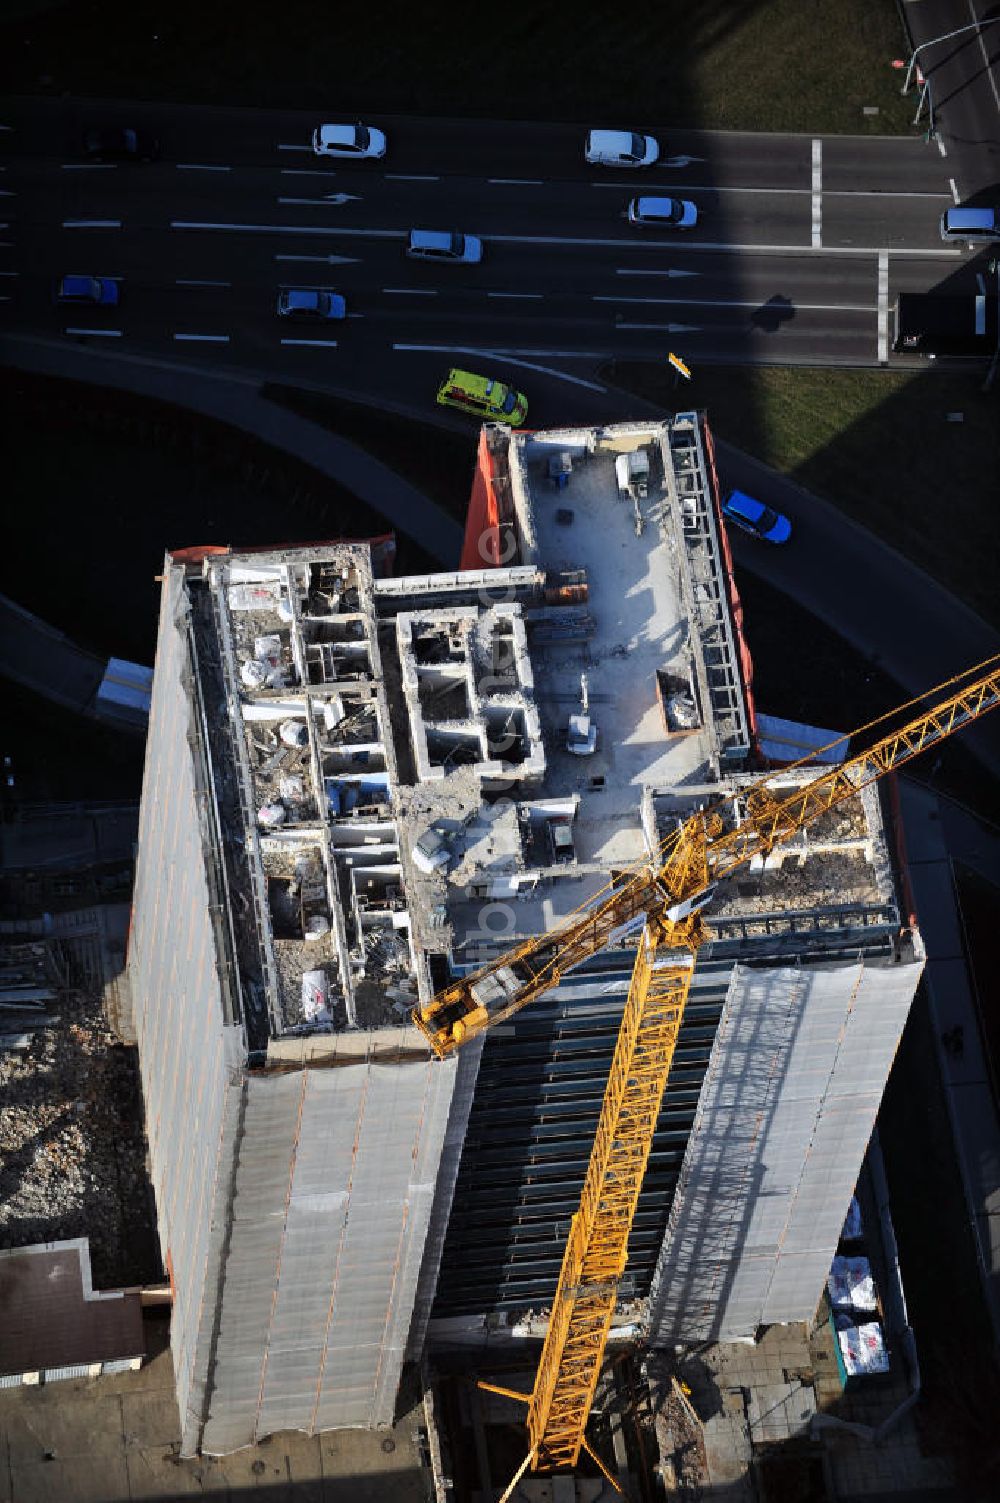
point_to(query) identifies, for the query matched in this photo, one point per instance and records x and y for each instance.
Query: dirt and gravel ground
(72, 1151)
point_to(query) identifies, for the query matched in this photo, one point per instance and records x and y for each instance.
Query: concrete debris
(72, 1153)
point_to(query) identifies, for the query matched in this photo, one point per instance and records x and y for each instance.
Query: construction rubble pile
(72, 1151)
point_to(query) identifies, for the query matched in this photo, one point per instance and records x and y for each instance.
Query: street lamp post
(945, 37)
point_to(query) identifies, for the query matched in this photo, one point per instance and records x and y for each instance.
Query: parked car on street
(756, 518)
(621, 148)
(444, 245)
(483, 397)
(100, 292)
(120, 144)
(348, 141)
(310, 303)
(663, 213)
(970, 224)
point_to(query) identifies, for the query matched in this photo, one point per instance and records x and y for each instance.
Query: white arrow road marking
(329, 198)
(667, 328)
(325, 260)
(642, 271)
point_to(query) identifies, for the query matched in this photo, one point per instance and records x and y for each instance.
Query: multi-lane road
(800, 246)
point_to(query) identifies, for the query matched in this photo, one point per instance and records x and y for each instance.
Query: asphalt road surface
(801, 245)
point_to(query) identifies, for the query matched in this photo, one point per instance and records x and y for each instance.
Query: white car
(621, 148)
(348, 141)
(676, 213)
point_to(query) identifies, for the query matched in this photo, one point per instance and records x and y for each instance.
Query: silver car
(348, 141)
(444, 245)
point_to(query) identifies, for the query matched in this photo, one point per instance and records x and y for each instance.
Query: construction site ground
(112, 1439)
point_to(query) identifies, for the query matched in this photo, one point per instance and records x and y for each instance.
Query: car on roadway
(970, 224)
(621, 148)
(444, 245)
(355, 140)
(310, 304)
(483, 397)
(120, 144)
(663, 213)
(756, 518)
(94, 292)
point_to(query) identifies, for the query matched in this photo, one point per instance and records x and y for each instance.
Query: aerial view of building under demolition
(357, 786)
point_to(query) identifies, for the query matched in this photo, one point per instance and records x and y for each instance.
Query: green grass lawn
(876, 444)
(736, 64)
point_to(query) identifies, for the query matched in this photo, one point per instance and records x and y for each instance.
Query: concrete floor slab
(82, 1479)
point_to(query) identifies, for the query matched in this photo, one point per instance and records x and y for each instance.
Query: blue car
(99, 292)
(756, 518)
(310, 303)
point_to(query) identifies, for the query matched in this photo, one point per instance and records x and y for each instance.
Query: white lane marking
(326, 260)
(286, 229)
(648, 271)
(721, 188)
(529, 295)
(292, 146)
(306, 172)
(89, 167)
(458, 349)
(465, 349)
(619, 245)
(91, 224)
(10, 273)
(412, 291)
(954, 189)
(198, 282)
(941, 146)
(8, 193)
(330, 200)
(883, 307)
(200, 167)
(203, 338)
(104, 333)
(526, 182)
(817, 193)
(712, 302)
(410, 177)
(328, 344)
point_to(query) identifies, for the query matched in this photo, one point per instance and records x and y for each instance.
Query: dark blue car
(99, 292)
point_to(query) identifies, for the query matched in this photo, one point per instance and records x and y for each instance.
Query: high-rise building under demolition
(357, 786)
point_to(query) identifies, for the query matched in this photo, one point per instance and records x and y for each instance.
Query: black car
(125, 145)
